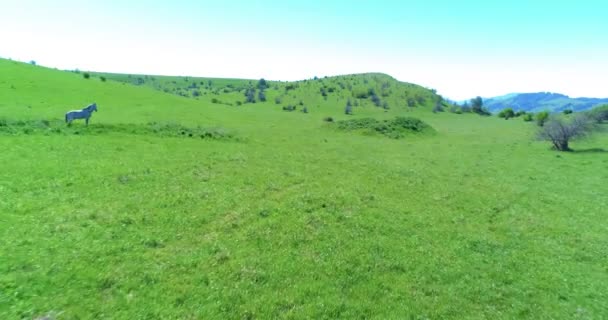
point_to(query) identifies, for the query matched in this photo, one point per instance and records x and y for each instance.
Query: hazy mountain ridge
(554, 102)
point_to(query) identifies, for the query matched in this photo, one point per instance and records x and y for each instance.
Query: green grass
(292, 219)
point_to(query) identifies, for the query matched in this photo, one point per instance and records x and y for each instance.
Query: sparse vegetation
(560, 131)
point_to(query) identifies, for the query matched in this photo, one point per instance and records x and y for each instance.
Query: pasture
(279, 214)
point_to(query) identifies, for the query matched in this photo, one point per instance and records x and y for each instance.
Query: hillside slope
(542, 101)
(295, 219)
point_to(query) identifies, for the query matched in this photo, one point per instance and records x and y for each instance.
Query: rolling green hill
(143, 215)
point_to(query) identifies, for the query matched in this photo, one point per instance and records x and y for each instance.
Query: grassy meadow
(173, 205)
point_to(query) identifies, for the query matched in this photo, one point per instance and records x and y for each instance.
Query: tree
(250, 95)
(599, 114)
(86, 75)
(477, 106)
(262, 96)
(567, 111)
(349, 108)
(102, 78)
(528, 117)
(262, 84)
(541, 118)
(438, 107)
(560, 131)
(33, 62)
(506, 114)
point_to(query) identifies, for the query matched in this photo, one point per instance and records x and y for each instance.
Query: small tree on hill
(599, 114)
(262, 84)
(349, 108)
(250, 95)
(560, 131)
(262, 96)
(507, 114)
(541, 118)
(477, 106)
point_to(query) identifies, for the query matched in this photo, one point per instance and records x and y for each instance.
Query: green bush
(541, 118)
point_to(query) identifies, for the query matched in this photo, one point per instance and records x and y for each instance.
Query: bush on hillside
(541, 118)
(529, 117)
(559, 130)
(506, 114)
(599, 114)
(395, 128)
(86, 75)
(567, 111)
(328, 119)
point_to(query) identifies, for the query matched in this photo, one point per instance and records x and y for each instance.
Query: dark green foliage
(567, 111)
(529, 117)
(48, 127)
(477, 107)
(411, 102)
(277, 100)
(305, 110)
(86, 75)
(102, 78)
(376, 100)
(396, 128)
(262, 84)
(349, 108)
(250, 95)
(541, 118)
(507, 114)
(289, 108)
(438, 107)
(599, 114)
(328, 119)
(262, 96)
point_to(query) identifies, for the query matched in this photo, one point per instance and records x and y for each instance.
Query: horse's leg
(87, 121)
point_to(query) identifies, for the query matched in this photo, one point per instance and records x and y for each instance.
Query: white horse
(80, 114)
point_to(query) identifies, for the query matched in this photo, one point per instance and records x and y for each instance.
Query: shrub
(277, 100)
(305, 110)
(506, 113)
(438, 107)
(567, 111)
(102, 78)
(455, 109)
(215, 100)
(349, 108)
(560, 131)
(395, 128)
(599, 114)
(528, 117)
(289, 108)
(250, 95)
(328, 119)
(541, 118)
(262, 96)
(86, 75)
(411, 102)
(376, 100)
(262, 84)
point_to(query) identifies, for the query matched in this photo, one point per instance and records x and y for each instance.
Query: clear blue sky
(461, 48)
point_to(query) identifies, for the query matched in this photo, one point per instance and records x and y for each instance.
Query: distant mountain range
(534, 102)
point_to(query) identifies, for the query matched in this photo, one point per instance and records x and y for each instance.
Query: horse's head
(94, 107)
